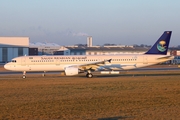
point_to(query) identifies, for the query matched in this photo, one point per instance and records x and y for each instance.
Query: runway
(148, 71)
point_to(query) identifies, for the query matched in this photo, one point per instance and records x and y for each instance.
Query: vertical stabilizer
(162, 44)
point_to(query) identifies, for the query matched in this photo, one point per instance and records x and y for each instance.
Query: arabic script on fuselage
(68, 57)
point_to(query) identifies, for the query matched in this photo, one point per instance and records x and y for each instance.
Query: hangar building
(11, 47)
(99, 50)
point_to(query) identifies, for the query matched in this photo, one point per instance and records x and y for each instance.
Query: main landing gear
(89, 74)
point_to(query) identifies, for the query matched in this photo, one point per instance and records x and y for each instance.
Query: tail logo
(161, 46)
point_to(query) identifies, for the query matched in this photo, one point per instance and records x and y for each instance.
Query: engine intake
(70, 71)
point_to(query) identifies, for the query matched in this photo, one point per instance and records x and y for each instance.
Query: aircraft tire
(23, 76)
(89, 75)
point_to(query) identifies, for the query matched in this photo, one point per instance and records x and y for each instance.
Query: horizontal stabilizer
(165, 57)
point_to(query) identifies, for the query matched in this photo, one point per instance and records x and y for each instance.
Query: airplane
(76, 64)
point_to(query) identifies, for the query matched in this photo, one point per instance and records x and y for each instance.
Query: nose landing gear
(24, 75)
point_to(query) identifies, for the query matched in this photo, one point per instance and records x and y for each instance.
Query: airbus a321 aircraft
(75, 64)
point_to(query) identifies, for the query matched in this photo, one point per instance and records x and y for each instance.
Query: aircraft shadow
(124, 75)
(100, 76)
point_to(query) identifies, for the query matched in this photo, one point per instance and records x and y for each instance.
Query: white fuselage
(59, 63)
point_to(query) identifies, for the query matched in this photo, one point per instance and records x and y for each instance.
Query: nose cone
(6, 66)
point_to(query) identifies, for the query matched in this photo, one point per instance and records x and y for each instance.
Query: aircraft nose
(6, 66)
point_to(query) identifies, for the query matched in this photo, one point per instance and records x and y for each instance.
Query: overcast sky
(68, 22)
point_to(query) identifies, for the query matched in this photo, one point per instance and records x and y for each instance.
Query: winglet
(109, 60)
(162, 44)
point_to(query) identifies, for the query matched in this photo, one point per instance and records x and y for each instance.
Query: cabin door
(57, 61)
(145, 60)
(23, 61)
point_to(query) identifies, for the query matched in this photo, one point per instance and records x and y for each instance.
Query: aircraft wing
(92, 65)
(95, 65)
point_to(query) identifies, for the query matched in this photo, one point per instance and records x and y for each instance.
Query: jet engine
(69, 71)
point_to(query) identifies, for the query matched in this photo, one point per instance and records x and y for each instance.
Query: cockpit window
(13, 61)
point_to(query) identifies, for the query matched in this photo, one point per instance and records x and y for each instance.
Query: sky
(69, 22)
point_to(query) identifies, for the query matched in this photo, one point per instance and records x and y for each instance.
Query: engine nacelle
(69, 71)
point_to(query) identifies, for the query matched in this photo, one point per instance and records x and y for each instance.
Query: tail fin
(162, 44)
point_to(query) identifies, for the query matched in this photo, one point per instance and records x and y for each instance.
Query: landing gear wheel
(89, 75)
(23, 76)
